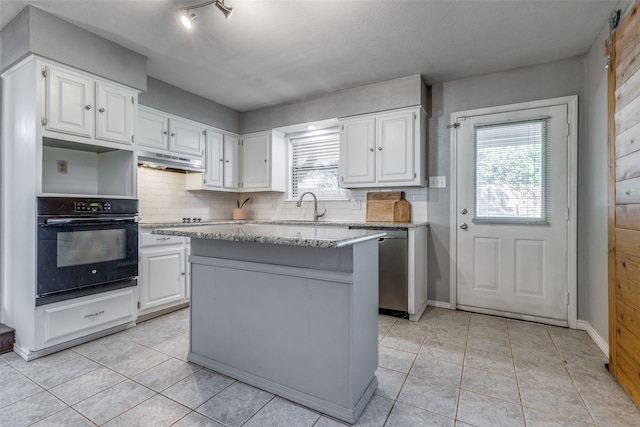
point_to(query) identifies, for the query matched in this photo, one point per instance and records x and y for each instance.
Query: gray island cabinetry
(291, 310)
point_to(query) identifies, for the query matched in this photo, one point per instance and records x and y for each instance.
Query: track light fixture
(187, 18)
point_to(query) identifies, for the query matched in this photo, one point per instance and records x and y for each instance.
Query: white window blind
(314, 166)
(511, 183)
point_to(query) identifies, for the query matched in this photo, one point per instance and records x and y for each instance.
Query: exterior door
(512, 213)
(624, 204)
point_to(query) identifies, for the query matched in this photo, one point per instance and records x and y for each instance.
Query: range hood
(170, 161)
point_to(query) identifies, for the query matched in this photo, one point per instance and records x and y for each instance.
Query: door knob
(464, 226)
(463, 211)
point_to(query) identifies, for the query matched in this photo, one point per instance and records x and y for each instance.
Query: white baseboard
(583, 325)
(439, 304)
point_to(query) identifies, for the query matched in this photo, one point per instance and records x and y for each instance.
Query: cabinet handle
(266, 161)
(370, 149)
(164, 132)
(379, 148)
(101, 110)
(183, 274)
(87, 107)
(173, 134)
(162, 238)
(222, 160)
(87, 316)
(226, 161)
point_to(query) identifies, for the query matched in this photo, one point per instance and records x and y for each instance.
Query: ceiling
(276, 51)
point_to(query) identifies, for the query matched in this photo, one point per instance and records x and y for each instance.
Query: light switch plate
(437, 181)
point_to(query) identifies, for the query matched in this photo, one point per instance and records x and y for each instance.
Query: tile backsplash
(163, 198)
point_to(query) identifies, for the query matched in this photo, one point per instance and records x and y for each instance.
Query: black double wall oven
(85, 246)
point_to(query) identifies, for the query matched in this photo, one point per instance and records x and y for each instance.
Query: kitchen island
(292, 310)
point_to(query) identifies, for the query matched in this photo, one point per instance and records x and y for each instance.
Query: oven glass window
(90, 246)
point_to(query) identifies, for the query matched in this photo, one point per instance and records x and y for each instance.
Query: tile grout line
(566, 367)
(515, 370)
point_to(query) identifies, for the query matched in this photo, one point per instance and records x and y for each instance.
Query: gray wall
(171, 99)
(38, 32)
(592, 204)
(561, 78)
(397, 93)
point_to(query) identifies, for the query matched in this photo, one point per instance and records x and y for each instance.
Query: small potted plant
(240, 213)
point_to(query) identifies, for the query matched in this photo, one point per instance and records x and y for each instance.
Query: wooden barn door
(624, 204)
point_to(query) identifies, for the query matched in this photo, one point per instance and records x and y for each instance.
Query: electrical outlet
(62, 166)
(355, 204)
(437, 181)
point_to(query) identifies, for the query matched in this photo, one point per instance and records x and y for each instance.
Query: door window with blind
(510, 172)
(313, 163)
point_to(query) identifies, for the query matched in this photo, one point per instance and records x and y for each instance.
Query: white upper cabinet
(114, 113)
(80, 105)
(264, 161)
(357, 151)
(152, 129)
(185, 137)
(161, 131)
(69, 102)
(231, 168)
(255, 161)
(214, 160)
(384, 149)
(221, 161)
(395, 146)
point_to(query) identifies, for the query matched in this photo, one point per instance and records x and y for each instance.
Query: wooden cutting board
(388, 207)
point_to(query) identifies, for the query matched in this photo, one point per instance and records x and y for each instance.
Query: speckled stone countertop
(277, 234)
(364, 225)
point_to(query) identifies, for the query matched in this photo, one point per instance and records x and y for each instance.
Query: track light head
(227, 11)
(187, 19)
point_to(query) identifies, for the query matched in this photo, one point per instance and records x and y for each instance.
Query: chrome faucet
(316, 215)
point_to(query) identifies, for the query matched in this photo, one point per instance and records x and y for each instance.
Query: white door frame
(572, 193)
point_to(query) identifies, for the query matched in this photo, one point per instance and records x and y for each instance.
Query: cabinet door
(231, 162)
(69, 102)
(114, 120)
(187, 282)
(357, 151)
(214, 160)
(255, 161)
(162, 277)
(395, 147)
(152, 130)
(185, 137)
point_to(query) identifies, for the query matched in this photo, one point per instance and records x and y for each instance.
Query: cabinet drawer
(148, 239)
(70, 321)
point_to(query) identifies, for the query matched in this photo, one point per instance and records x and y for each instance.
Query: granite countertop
(277, 234)
(363, 225)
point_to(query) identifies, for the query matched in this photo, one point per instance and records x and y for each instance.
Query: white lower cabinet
(163, 273)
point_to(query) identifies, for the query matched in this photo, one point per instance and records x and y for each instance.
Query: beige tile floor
(451, 368)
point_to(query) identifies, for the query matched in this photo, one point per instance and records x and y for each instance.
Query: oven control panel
(92, 206)
(76, 206)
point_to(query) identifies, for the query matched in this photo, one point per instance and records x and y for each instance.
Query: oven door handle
(58, 221)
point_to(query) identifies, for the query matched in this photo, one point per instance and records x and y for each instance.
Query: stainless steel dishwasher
(393, 276)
